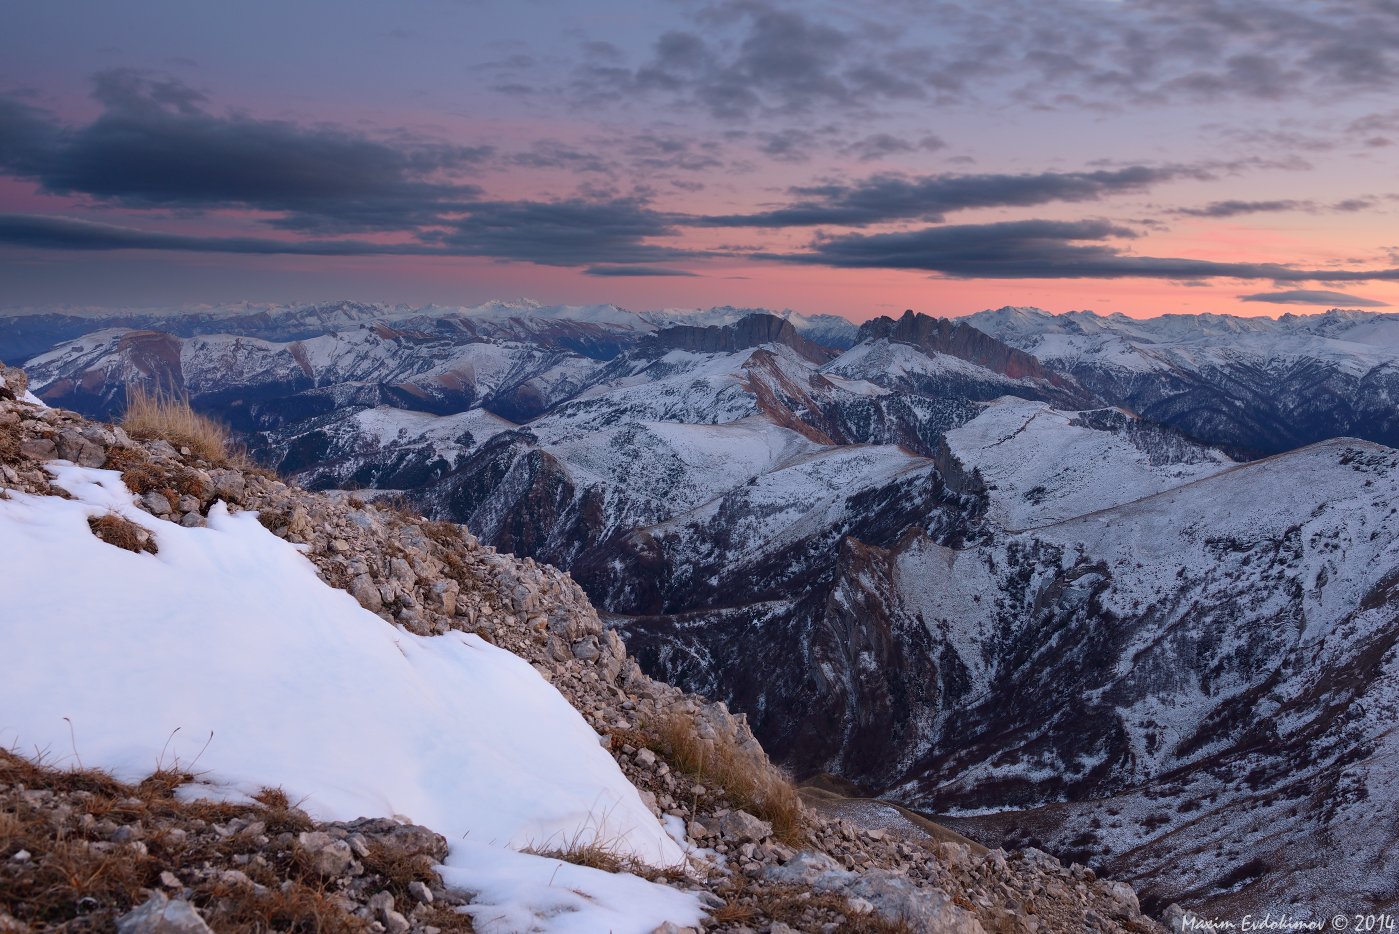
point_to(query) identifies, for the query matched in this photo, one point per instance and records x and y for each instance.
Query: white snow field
(229, 631)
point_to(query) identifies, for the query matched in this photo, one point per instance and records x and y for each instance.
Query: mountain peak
(749, 331)
(957, 339)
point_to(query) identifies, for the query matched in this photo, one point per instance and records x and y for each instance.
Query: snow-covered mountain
(1200, 679)
(600, 331)
(1015, 564)
(1253, 385)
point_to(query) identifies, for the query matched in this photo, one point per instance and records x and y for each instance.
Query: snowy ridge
(1355, 341)
(1042, 466)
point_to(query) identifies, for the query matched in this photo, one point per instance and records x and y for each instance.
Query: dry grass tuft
(398, 869)
(272, 519)
(166, 417)
(605, 855)
(125, 459)
(10, 445)
(451, 543)
(280, 814)
(171, 481)
(750, 781)
(747, 904)
(123, 533)
(399, 506)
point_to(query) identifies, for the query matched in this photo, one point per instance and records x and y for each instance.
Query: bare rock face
(14, 382)
(751, 331)
(943, 335)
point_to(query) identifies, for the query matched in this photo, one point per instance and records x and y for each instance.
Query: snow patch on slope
(228, 631)
(1042, 465)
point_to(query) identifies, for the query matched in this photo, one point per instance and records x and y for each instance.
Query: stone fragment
(156, 503)
(328, 856)
(1121, 898)
(161, 914)
(744, 827)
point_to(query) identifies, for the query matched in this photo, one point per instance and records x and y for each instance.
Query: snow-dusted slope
(364, 363)
(677, 465)
(1356, 341)
(897, 366)
(1224, 648)
(228, 636)
(1257, 385)
(598, 331)
(1041, 465)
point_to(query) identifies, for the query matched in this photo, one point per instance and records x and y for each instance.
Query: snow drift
(228, 632)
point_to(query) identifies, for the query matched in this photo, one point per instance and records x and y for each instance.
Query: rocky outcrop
(943, 335)
(751, 331)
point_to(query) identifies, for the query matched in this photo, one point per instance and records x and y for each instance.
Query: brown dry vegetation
(123, 533)
(399, 505)
(587, 850)
(77, 878)
(451, 542)
(125, 459)
(751, 782)
(163, 417)
(172, 481)
(789, 904)
(10, 445)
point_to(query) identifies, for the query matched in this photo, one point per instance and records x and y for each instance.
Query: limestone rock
(161, 914)
(744, 827)
(329, 857)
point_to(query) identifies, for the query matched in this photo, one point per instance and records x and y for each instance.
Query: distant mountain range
(1124, 589)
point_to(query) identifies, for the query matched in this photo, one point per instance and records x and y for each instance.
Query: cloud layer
(1037, 140)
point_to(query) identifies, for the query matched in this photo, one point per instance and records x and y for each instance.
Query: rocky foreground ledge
(761, 860)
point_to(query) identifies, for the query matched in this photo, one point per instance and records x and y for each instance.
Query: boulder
(744, 827)
(329, 858)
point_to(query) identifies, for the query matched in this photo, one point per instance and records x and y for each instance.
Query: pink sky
(162, 155)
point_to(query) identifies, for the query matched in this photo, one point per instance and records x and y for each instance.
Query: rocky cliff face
(823, 873)
(752, 331)
(960, 340)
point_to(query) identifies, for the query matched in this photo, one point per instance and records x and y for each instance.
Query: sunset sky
(1144, 156)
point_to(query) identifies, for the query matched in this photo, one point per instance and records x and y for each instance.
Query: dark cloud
(1235, 208)
(61, 233)
(788, 145)
(630, 271)
(878, 146)
(745, 58)
(749, 57)
(573, 232)
(1314, 297)
(1038, 249)
(659, 152)
(884, 198)
(551, 154)
(156, 146)
(1231, 208)
(565, 233)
